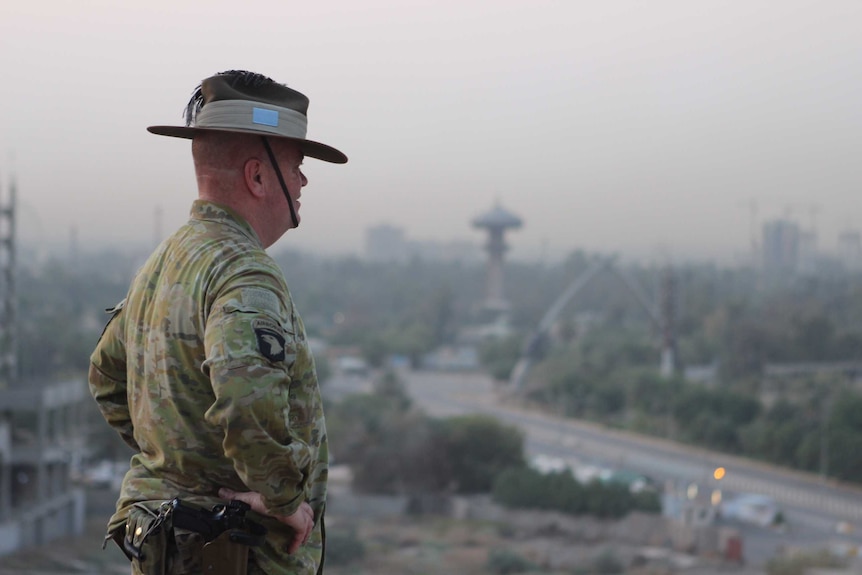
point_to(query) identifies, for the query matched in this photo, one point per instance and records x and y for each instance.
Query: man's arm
(249, 354)
(107, 378)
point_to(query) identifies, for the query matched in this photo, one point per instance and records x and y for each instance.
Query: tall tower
(667, 307)
(8, 324)
(495, 223)
(781, 239)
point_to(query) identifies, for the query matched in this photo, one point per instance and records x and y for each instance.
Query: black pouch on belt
(149, 539)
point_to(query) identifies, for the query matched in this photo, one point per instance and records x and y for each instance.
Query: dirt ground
(82, 554)
(392, 545)
(374, 538)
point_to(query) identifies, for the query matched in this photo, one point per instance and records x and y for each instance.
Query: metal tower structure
(668, 323)
(495, 223)
(8, 321)
(661, 315)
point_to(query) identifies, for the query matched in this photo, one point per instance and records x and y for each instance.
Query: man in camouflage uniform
(204, 369)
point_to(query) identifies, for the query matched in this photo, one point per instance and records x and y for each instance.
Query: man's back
(221, 387)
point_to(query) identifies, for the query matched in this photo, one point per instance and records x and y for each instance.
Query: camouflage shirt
(205, 371)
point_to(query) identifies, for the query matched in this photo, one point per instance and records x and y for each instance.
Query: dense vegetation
(812, 423)
(560, 491)
(393, 448)
(599, 362)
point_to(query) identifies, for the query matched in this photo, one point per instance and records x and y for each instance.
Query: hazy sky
(642, 127)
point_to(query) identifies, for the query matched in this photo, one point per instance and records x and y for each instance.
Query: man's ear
(253, 175)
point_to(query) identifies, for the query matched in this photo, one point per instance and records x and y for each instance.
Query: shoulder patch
(270, 342)
(261, 299)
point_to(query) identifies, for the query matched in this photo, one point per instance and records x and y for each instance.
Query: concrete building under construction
(42, 433)
(42, 430)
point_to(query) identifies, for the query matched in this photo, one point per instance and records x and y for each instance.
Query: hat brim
(310, 148)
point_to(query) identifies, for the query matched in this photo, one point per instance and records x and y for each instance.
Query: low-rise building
(43, 432)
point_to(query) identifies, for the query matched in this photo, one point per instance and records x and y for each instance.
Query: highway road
(813, 507)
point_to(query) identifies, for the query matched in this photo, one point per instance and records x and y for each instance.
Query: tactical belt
(227, 534)
(211, 524)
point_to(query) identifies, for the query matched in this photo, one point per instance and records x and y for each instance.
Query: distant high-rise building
(808, 255)
(850, 250)
(389, 244)
(495, 223)
(385, 243)
(781, 246)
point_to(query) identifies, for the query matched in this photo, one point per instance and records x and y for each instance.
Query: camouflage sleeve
(248, 339)
(107, 377)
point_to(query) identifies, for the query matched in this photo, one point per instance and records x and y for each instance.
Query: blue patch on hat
(265, 117)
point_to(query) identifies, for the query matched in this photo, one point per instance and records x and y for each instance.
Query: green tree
(479, 448)
(499, 356)
(343, 547)
(560, 491)
(843, 435)
(393, 448)
(503, 561)
(413, 340)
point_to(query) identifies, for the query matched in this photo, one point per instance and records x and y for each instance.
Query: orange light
(719, 472)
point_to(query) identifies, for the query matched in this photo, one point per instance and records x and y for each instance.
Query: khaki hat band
(245, 115)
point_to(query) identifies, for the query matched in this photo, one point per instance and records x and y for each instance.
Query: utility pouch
(165, 536)
(149, 539)
(224, 556)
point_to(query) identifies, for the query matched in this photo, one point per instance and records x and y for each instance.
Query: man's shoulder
(253, 270)
(254, 263)
(211, 244)
(210, 258)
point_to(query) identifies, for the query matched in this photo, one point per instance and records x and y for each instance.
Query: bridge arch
(660, 315)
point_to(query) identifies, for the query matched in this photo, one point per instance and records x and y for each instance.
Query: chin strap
(281, 181)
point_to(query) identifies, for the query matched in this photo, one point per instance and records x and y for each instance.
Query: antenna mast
(8, 321)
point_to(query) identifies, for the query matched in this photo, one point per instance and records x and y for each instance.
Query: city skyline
(646, 130)
(397, 245)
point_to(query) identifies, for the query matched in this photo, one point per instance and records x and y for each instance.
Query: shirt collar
(208, 211)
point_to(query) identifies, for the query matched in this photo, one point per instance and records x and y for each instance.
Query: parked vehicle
(751, 508)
